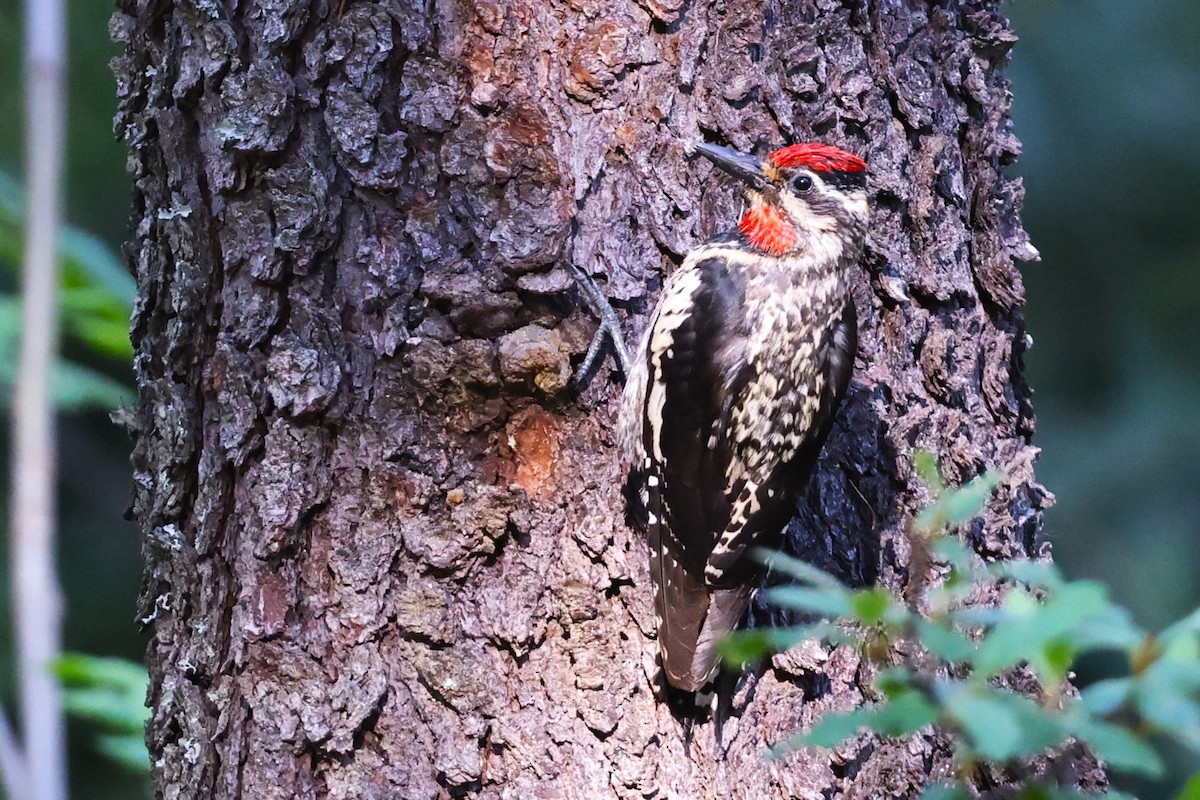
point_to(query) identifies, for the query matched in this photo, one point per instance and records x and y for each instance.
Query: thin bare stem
(37, 603)
(12, 761)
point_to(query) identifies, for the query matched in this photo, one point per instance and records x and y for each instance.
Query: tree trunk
(385, 547)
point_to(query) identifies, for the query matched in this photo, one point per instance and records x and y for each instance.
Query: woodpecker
(733, 388)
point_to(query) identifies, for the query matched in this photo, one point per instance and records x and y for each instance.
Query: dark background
(1107, 102)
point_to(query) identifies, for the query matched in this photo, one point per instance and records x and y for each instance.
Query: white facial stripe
(804, 217)
(731, 253)
(854, 202)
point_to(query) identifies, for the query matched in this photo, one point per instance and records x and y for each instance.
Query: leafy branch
(961, 659)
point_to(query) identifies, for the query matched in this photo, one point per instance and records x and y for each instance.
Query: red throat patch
(768, 230)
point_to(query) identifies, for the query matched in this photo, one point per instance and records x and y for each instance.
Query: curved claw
(609, 328)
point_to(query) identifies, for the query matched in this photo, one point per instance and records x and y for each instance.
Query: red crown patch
(817, 157)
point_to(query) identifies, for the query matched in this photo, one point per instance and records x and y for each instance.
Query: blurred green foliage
(110, 693)
(95, 295)
(961, 677)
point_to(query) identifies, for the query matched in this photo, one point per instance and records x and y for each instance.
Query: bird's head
(802, 197)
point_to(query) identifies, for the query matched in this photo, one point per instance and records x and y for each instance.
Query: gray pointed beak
(745, 168)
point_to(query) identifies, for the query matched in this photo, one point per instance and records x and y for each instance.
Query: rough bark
(385, 546)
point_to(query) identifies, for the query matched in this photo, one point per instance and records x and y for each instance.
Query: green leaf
(907, 709)
(964, 504)
(96, 293)
(1111, 628)
(999, 724)
(948, 645)
(1028, 627)
(893, 682)
(943, 791)
(12, 198)
(1182, 675)
(926, 466)
(1181, 647)
(955, 553)
(993, 729)
(946, 600)
(76, 386)
(1044, 791)
(900, 717)
(903, 715)
(101, 321)
(1164, 695)
(801, 571)
(834, 728)
(870, 606)
(83, 257)
(97, 264)
(112, 709)
(81, 669)
(109, 691)
(1105, 697)
(830, 603)
(979, 616)
(10, 337)
(1191, 789)
(1053, 661)
(1037, 574)
(746, 647)
(128, 752)
(1039, 791)
(1117, 746)
(955, 506)
(930, 519)
(1188, 626)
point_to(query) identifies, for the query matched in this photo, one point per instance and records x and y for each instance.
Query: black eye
(802, 184)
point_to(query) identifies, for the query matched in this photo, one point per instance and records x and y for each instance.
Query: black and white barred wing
(678, 462)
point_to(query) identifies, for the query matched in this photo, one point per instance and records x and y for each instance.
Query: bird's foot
(609, 328)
